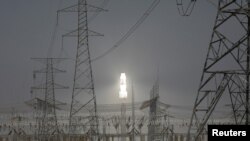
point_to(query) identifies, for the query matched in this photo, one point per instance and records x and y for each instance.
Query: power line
(54, 33)
(130, 31)
(212, 3)
(102, 5)
(185, 11)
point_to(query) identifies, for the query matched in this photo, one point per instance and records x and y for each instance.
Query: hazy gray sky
(175, 44)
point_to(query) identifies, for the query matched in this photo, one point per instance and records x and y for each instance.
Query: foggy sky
(174, 44)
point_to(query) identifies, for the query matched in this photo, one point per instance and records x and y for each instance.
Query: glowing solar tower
(123, 86)
(123, 95)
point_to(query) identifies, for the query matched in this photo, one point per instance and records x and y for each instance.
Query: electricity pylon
(83, 95)
(48, 121)
(226, 69)
(153, 128)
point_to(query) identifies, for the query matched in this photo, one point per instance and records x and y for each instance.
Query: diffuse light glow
(123, 86)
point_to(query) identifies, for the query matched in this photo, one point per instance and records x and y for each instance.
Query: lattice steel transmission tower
(48, 126)
(83, 95)
(226, 69)
(153, 128)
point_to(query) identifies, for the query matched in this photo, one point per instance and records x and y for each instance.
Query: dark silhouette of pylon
(83, 95)
(226, 69)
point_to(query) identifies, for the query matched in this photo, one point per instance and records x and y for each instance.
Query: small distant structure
(156, 111)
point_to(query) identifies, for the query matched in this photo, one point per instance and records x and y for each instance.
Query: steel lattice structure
(153, 128)
(83, 95)
(48, 121)
(226, 69)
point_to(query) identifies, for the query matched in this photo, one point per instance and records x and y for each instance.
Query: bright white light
(123, 86)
